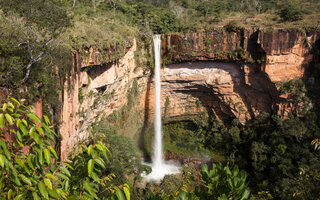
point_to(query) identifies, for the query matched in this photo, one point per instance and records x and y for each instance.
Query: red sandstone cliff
(283, 54)
(229, 74)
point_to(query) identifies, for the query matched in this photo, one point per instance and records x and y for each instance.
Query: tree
(291, 11)
(39, 22)
(29, 165)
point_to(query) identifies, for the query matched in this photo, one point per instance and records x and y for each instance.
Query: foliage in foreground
(29, 165)
(222, 182)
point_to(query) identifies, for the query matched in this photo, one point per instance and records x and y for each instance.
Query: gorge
(160, 99)
(229, 74)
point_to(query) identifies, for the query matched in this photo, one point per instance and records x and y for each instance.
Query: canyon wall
(235, 73)
(95, 90)
(225, 73)
(282, 54)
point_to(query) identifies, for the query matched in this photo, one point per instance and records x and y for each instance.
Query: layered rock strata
(282, 54)
(228, 74)
(222, 89)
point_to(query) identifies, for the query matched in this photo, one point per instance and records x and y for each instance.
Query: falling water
(159, 167)
(157, 148)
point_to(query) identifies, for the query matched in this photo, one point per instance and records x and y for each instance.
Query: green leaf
(34, 117)
(29, 161)
(66, 185)
(19, 137)
(40, 130)
(100, 147)
(35, 196)
(11, 105)
(31, 131)
(20, 196)
(26, 169)
(47, 156)
(15, 100)
(18, 123)
(66, 171)
(7, 153)
(87, 186)
(90, 149)
(95, 177)
(40, 158)
(1, 121)
(60, 175)
(127, 192)
(36, 137)
(90, 166)
(43, 190)
(9, 118)
(23, 128)
(19, 161)
(25, 179)
(2, 161)
(52, 151)
(20, 143)
(48, 183)
(4, 107)
(100, 162)
(69, 166)
(205, 168)
(53, 193)
(51, 176)
(183, 195)
(245, 194)
(9, 194)
(120, 195)
(46, 119)
(25, 122)
(50, 137)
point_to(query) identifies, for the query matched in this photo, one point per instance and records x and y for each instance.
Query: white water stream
(159, 167)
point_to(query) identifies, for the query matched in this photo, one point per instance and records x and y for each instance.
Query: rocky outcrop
(222, 89)
(282, 54)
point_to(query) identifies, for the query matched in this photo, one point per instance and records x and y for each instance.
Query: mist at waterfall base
(160, 167)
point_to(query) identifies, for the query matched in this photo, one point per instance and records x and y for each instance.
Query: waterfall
(157, 146)
(159, 167)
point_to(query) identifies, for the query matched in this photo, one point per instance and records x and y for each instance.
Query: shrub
(292, 11)
(222, 182)
(232, 26)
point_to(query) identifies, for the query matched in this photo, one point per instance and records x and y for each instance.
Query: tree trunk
(28, 72)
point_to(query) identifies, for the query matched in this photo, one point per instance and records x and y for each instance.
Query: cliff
(94, 90)
(281, 54)
(228, 74)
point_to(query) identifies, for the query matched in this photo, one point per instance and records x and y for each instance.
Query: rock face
(221, 89)
(94, 90)
(228, 74)
(283, 54)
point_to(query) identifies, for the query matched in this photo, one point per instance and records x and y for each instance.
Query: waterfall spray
(159, 167)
